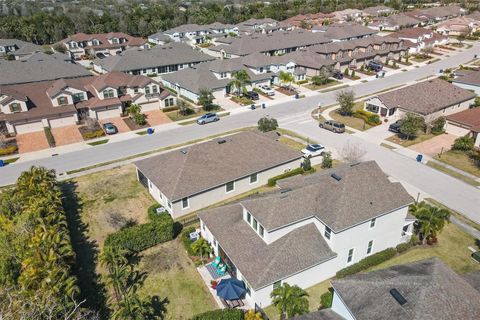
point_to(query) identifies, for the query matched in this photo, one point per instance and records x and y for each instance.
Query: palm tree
(286, 77)
(290, 300)
(239, 81)
(114, 259)
(430, 219)
(201, 247)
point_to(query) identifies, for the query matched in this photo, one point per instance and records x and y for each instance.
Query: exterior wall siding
(340, 308)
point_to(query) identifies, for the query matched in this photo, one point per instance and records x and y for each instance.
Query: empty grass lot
(101, 203)
(460, 160)
(352, 122)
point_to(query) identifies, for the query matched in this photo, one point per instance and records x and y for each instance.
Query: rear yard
(101, 203)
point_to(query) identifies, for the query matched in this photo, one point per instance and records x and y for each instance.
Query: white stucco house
(195, 177)
(431, 99)
(310, 228)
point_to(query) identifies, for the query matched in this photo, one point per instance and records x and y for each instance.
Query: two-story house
(195, 177)
(102, 44)
(420, 37)
(309, 229)
(30, 107)
(193, 33)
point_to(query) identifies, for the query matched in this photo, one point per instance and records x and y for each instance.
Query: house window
(350, 255)
(253, 178)
(15, 107)
(154, 89)
(404, 230)
(147, 90)
(277, 284)
(370, 245)
(169, 102)
(108, 94)
(261, 231)
(230, 186)
(249, 217)
(62, 100)
(185, 203)
(78, 97)
(328, 232)
(255, 224)
(135, 90)
(372, 223)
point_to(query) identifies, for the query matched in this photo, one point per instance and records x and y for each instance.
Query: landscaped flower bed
(286, 91)
(91, 131)
(132, 125)
(9, 148)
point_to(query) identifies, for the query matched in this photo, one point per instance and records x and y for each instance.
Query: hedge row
(152, 212)
(368, 262)
(143, 236)
(273, 181)
(8, 150)
(369, 117)
(168, 109)
(93, 134)
(225, 314)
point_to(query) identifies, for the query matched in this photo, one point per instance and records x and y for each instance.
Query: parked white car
(267, 90)
(313, 150)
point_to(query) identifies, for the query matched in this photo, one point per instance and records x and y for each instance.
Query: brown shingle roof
(469, 118)
(210, 164)
(426, 97)
(433, 292)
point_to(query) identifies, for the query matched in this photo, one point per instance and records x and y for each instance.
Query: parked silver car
(333, 126)
(207, 118)
(110, 128)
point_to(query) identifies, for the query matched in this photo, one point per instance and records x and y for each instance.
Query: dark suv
(375, 66)
(337, 75)
(395, 127)
(252, 95)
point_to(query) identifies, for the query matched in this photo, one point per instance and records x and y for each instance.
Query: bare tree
(352, 152)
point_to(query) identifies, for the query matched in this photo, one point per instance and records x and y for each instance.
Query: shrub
(168, 109)
(307, 164)
(369, 117)
(346, 72)
(50, 138)
(220, 314)
(152, 212)
(143, 236)
(438, 125)
(368, 262)
(187, 244)
(93, 134)
(273, 181)
(327, 161)
(302, 81)
(402, 247)
(266, 124)
(464, 143)
(8, 150)
(326, 299)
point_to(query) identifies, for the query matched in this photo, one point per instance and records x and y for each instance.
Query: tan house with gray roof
(430, 99)
(309, 228)
(198, 176)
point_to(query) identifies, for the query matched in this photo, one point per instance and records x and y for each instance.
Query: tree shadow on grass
(86, 250)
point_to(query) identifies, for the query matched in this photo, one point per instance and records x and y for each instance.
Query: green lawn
(460, 160)
(294, 144)
(407, 143)
(330, 83)
(176, 116)
(452, 173)
(352, 122)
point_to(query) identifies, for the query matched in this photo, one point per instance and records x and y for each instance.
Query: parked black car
(337, 75)
(375, 66)
(252, 95)
(395, 127)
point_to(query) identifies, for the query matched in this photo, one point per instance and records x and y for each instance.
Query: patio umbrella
(230, 289)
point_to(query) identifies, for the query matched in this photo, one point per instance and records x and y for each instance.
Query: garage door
(456, 130)
(29, 127)
(62, 122)
(150, 106)
(105, 114)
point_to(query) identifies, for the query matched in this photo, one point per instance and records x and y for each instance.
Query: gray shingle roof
(426, 97)
(43, 67)
(325, 314)
(210, 164)
(136, 59)
(472, 78)
(22, 47)
(262, 264)
(364, 192)
(342, 31)
(473, 278)
(432, 290)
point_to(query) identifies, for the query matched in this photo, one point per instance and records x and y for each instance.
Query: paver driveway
(66, 135)
(32, 141)
(118, 122)
(434, 146)
(157, 117)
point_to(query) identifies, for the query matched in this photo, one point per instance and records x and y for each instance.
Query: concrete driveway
(32, 141)
(66, 135)
(434, 146)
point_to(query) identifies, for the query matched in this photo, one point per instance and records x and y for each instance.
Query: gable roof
(432, 290)
(411, 33)
(363, 193)
(104, 37)
(426, 97)
(210, 164)
(471, 78)
(298, 250)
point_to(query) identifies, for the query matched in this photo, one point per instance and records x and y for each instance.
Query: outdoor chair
(216, 262)
(222, 270)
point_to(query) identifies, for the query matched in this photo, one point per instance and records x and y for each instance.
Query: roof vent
(221, 141)
(336, 177)
(183, 151)
(398, 296)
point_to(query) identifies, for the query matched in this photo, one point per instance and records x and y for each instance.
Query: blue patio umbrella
(230, 289)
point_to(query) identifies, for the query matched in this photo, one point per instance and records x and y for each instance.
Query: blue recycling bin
(150, 130)
(419, 158)
(264, 105)
(297, 96)
(2, 164)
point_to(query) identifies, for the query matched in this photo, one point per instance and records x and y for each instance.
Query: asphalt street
(293, 115)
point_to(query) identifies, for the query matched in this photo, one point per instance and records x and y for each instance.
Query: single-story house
(195, 177)
(431, 99)
(393, 22)
(425, 289)
(465, 123)
(468, 79)
(309, 228)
